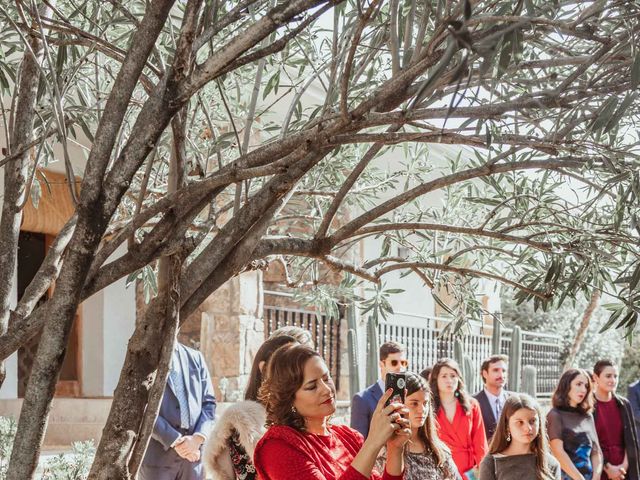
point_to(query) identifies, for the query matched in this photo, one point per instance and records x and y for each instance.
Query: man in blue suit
(184, 421)
(634, 400)
(393, 359)
(493, 396)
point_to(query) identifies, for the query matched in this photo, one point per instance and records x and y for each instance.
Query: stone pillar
(232, 330)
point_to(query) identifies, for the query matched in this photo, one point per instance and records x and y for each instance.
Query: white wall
(108, 322)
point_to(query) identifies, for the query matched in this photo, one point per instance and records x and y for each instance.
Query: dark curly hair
(283, 378)
(460, 393)
(560, 397)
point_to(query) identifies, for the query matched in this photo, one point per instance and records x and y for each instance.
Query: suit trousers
(180, 470)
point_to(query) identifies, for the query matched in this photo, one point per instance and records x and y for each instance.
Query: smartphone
(398, 382)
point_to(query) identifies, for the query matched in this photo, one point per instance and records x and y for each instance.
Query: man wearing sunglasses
(393, 359)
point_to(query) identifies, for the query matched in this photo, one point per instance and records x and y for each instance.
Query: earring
(293, 409)
(508, 436)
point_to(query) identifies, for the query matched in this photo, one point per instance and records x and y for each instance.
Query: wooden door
(32, 250)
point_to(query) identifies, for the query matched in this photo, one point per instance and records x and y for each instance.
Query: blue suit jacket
(634, 399)
(202, 408)
(362, 406)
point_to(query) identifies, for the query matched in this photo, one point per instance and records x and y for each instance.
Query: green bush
(73, 465)
(7, 434)
(70, 466)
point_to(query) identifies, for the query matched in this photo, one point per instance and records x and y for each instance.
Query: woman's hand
(388, 423)
(615, 472)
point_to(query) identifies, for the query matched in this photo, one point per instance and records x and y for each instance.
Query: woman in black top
(572, 431)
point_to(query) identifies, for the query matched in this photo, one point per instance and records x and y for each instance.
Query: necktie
(498, 408)
(181, 394)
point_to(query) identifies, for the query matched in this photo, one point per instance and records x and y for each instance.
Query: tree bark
(15, 179)
(94, 212)
(169, 273)
(582, 329)
(169, 285)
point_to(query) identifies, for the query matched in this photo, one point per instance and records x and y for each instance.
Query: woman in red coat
(301, 444)
(459, 418)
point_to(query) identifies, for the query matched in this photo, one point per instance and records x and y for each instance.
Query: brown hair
(428, 433)
(284, 377)
(460, 393)
(263, 355)
(490, 361)
(388, 348)
(601, 365)
(539, 445)
(560, 397)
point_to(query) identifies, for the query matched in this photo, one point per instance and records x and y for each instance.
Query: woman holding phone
(301, 444)
(458, 418)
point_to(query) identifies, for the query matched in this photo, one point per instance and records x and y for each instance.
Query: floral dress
(242, 464)
(422, 466)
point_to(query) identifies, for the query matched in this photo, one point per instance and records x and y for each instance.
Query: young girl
(458, 418)
(615, 426)
(519, 448)
(572, 431)
(426, 457)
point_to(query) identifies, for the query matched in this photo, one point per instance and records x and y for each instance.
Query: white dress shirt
(493, 399)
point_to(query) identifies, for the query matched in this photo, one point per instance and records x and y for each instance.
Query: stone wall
(231, 331)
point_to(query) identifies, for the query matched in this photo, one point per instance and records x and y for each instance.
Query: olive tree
(221, 135)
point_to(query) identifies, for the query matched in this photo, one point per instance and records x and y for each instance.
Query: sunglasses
(394, 363)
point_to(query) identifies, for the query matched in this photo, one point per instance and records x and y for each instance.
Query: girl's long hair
(263, 355)
(428, 433)
(460, 393)
(539, 445)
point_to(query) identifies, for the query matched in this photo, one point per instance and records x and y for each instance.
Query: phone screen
(397, 382)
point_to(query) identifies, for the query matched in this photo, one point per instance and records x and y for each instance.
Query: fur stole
(248, 419)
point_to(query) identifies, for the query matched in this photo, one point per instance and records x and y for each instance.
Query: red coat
(284, 453)
(465, 436)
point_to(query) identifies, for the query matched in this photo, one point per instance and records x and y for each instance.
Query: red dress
(284, 453)
(610, 431)
(465, 436)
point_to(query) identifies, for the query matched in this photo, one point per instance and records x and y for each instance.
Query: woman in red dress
(459, 418)
(615, 426)
(300, 444)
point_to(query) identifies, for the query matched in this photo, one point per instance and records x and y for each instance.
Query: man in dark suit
(634, 400)
(492, 397)
(184, 421)
(393, 358)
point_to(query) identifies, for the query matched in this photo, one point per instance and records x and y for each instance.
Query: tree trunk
(172, 319)
(169, 284)
(143, 377)
(96, 207)
(15, 179)
(582, 329)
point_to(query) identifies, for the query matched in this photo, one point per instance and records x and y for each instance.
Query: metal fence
(425, 345)
(325, 331)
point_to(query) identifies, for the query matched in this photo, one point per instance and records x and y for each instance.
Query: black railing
(425, 346)
(324, 330)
